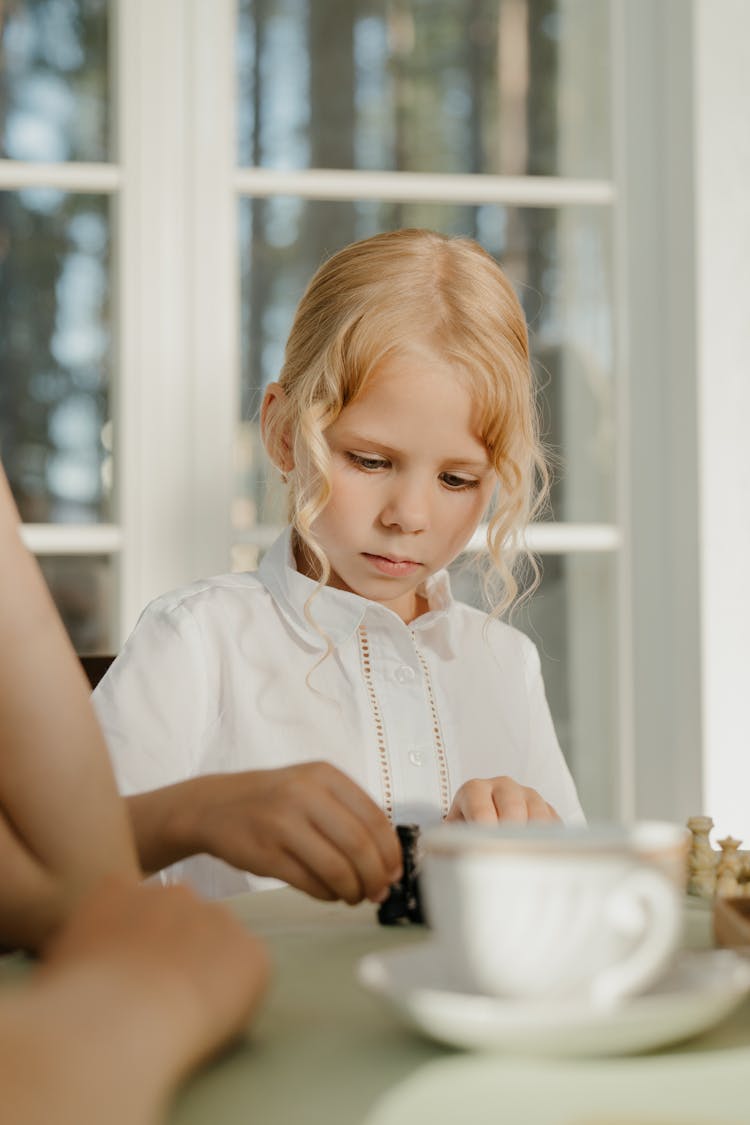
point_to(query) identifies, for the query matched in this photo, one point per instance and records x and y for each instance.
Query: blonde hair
(379, 296)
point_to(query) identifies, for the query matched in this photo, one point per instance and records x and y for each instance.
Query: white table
(325, 1052)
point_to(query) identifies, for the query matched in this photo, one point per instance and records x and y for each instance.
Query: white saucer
(699, 990)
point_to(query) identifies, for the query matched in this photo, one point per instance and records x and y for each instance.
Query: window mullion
(424, 187)
(152, 404)
(213, 295)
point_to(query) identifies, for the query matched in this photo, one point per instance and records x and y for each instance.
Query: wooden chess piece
(702, 859)
(728, 869)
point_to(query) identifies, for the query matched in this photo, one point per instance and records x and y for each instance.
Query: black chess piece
(404, 903)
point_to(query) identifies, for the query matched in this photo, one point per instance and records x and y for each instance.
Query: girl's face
(411, 479)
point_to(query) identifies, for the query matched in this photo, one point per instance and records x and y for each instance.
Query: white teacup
(550, 912)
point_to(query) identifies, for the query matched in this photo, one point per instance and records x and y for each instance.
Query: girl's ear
(275, 430)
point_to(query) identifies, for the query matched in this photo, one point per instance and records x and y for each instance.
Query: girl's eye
(456, 483)
(368, 464)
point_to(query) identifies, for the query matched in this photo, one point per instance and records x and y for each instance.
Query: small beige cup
(547, 912)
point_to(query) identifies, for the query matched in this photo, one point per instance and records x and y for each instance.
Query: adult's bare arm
(62, 823)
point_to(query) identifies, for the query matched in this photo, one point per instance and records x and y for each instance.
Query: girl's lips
(394, 567)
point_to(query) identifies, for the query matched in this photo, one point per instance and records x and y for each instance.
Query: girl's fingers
(537, 807)
(345, 814)
(351, 839)
(489, 800)
(380, 830)
(297, 874)
(315, 857)
(510, 801)
(474, 802)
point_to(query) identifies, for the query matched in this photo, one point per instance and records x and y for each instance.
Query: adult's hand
(138, 985)
(492, 799)
(309, 825)
(187, 970)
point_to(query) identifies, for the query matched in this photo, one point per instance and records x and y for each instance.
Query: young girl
(403, 415)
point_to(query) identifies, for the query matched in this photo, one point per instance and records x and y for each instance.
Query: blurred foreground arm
(62, 823)
(141, 985)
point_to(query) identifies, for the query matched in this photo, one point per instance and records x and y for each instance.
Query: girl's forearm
(166, 823)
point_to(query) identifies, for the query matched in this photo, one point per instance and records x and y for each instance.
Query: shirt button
(416, 757)
(404, 674)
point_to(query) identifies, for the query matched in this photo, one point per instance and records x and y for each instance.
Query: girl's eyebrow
(364, 441)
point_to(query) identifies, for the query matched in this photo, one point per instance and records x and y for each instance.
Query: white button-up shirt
(230, 674)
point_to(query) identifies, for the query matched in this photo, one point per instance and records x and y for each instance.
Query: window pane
(54, 80)
(502, 86)
(571, 620)
(559, 262)
(55, 440)
(83, 590)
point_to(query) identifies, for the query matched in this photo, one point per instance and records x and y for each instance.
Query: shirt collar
(337, 614)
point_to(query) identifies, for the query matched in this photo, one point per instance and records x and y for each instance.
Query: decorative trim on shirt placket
(383, 759)
(437, 736)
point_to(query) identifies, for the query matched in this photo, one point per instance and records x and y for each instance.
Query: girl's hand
(492, 799)
(308, 824)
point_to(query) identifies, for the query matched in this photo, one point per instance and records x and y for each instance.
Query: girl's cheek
(346, 491)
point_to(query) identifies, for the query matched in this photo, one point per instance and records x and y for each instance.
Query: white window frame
(176, 385)
(721, 59)
(176, 289)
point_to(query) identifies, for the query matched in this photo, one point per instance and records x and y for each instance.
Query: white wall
(722, 202)
(660, 668)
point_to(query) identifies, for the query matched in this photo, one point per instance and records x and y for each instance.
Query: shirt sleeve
(152, 703)
(548, 771)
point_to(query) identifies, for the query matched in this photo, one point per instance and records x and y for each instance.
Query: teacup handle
(645, 903)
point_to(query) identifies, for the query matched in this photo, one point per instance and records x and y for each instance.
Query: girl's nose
(406, 508)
